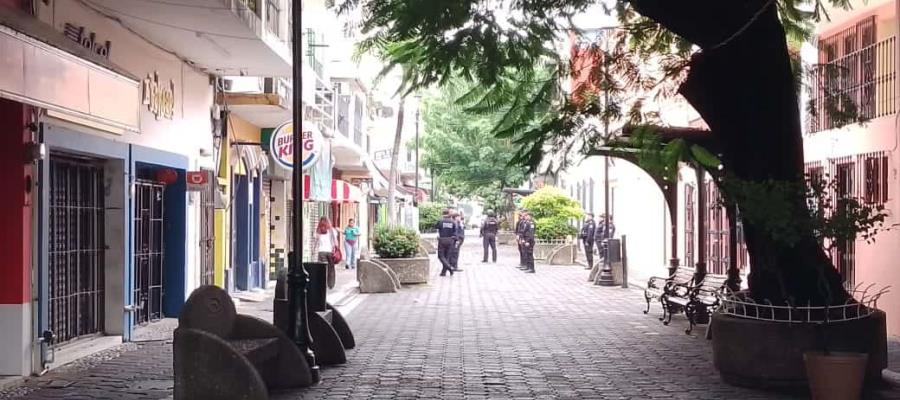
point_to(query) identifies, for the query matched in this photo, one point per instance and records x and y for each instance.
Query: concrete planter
(409, 270)
(429, 245)
(768, 354)
(506, 237)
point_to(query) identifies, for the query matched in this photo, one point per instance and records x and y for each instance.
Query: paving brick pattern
(490, 332)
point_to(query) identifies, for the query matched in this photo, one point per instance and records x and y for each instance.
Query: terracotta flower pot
(835, 376)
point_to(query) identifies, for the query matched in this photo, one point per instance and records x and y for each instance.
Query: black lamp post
(606, 276)
(298, 278)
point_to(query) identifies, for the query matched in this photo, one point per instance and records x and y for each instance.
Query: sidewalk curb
(10, 382)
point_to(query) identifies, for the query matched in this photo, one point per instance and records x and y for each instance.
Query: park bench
(220, 354)
(696, 299)
(658, 286)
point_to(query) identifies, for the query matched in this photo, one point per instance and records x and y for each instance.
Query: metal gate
(148, 251)
(76, 248)
(207, 234)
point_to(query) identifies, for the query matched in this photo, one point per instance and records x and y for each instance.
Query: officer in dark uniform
(446, 228)
(588, 233)
(460, 237)
(528, 243)
(519, 224)
(489, 229)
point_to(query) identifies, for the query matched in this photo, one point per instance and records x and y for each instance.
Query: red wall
(15, 204)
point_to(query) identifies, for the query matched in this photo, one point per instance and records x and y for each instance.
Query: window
(875, 172)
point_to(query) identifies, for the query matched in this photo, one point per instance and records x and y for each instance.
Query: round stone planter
(769, 354)
(506, 237)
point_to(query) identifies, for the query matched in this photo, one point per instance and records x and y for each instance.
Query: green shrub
(552, 210)
(429, 215)
(396, 242)
(553, 228)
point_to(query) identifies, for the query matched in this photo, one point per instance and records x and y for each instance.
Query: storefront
(106, 228)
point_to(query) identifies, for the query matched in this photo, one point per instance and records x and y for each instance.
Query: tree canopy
(460, 149)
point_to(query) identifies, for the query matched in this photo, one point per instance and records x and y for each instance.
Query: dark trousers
(589, 252)
(328, 258)
(521, 254)
(489, 242)
(528, 248)
(446, 246)
(454, 258)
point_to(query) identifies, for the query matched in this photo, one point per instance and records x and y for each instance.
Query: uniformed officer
(519, 224)
(489, 229)
(528, 243)
(460, 237)
(587, 235)
(446, 228)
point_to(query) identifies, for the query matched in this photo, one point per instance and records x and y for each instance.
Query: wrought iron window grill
(864, 302)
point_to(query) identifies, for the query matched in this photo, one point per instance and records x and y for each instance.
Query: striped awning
(341, 191)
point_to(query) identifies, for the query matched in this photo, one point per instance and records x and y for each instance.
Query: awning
(341, 191)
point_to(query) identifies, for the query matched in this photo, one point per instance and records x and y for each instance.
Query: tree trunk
(395, 154)
(742, 86)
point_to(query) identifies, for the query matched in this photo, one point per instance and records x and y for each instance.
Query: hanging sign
(281, 146)
(198, 180)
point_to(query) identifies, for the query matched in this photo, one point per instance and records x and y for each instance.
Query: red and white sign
(341, 191)
(198, 180)
(281, 145)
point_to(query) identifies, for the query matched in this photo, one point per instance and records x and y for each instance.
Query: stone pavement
(489, 332)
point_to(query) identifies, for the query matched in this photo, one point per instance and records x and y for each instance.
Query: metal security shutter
(76, 248)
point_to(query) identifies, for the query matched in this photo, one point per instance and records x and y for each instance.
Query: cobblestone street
(487, 332)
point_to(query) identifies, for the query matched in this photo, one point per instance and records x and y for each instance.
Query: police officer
(446, 228)
(528, 243)
(587, 235)
(519, 224)
(460, 237)
(489, 229)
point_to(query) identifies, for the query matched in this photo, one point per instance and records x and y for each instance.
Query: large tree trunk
(745, 91)
(395, 154)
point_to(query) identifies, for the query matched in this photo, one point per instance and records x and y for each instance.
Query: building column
(671, 194)
(734, 274)
(702, 228)
(16, 175)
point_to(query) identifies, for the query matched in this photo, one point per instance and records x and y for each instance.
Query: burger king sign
(281, 146)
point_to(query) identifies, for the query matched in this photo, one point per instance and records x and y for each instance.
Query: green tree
(553, 212)
(741, 78)
(459, 144)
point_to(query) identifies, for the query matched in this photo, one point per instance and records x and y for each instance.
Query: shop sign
(158, 97)
(198, 180)
(281, 146)
(78, 34)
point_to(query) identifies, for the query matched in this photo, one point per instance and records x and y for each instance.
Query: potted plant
(397, 247)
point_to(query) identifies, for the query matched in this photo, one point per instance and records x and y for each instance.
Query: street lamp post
(416, 195)
(298, 278)
(606, 276)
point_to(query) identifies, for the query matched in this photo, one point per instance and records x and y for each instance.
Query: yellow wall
(223, 217)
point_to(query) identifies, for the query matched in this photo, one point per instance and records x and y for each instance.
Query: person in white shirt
(326, 243)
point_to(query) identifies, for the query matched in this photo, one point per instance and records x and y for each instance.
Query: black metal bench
(658, 286)
(220, 354)
(695, 299)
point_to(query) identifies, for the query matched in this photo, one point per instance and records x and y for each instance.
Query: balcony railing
(856, 87)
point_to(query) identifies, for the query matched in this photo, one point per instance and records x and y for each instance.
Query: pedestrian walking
(446, 228)
(519, 225)
(488, 233)
(327, 247)
(587, 236)
(528, 243)
(351, 249)
(460, 238)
